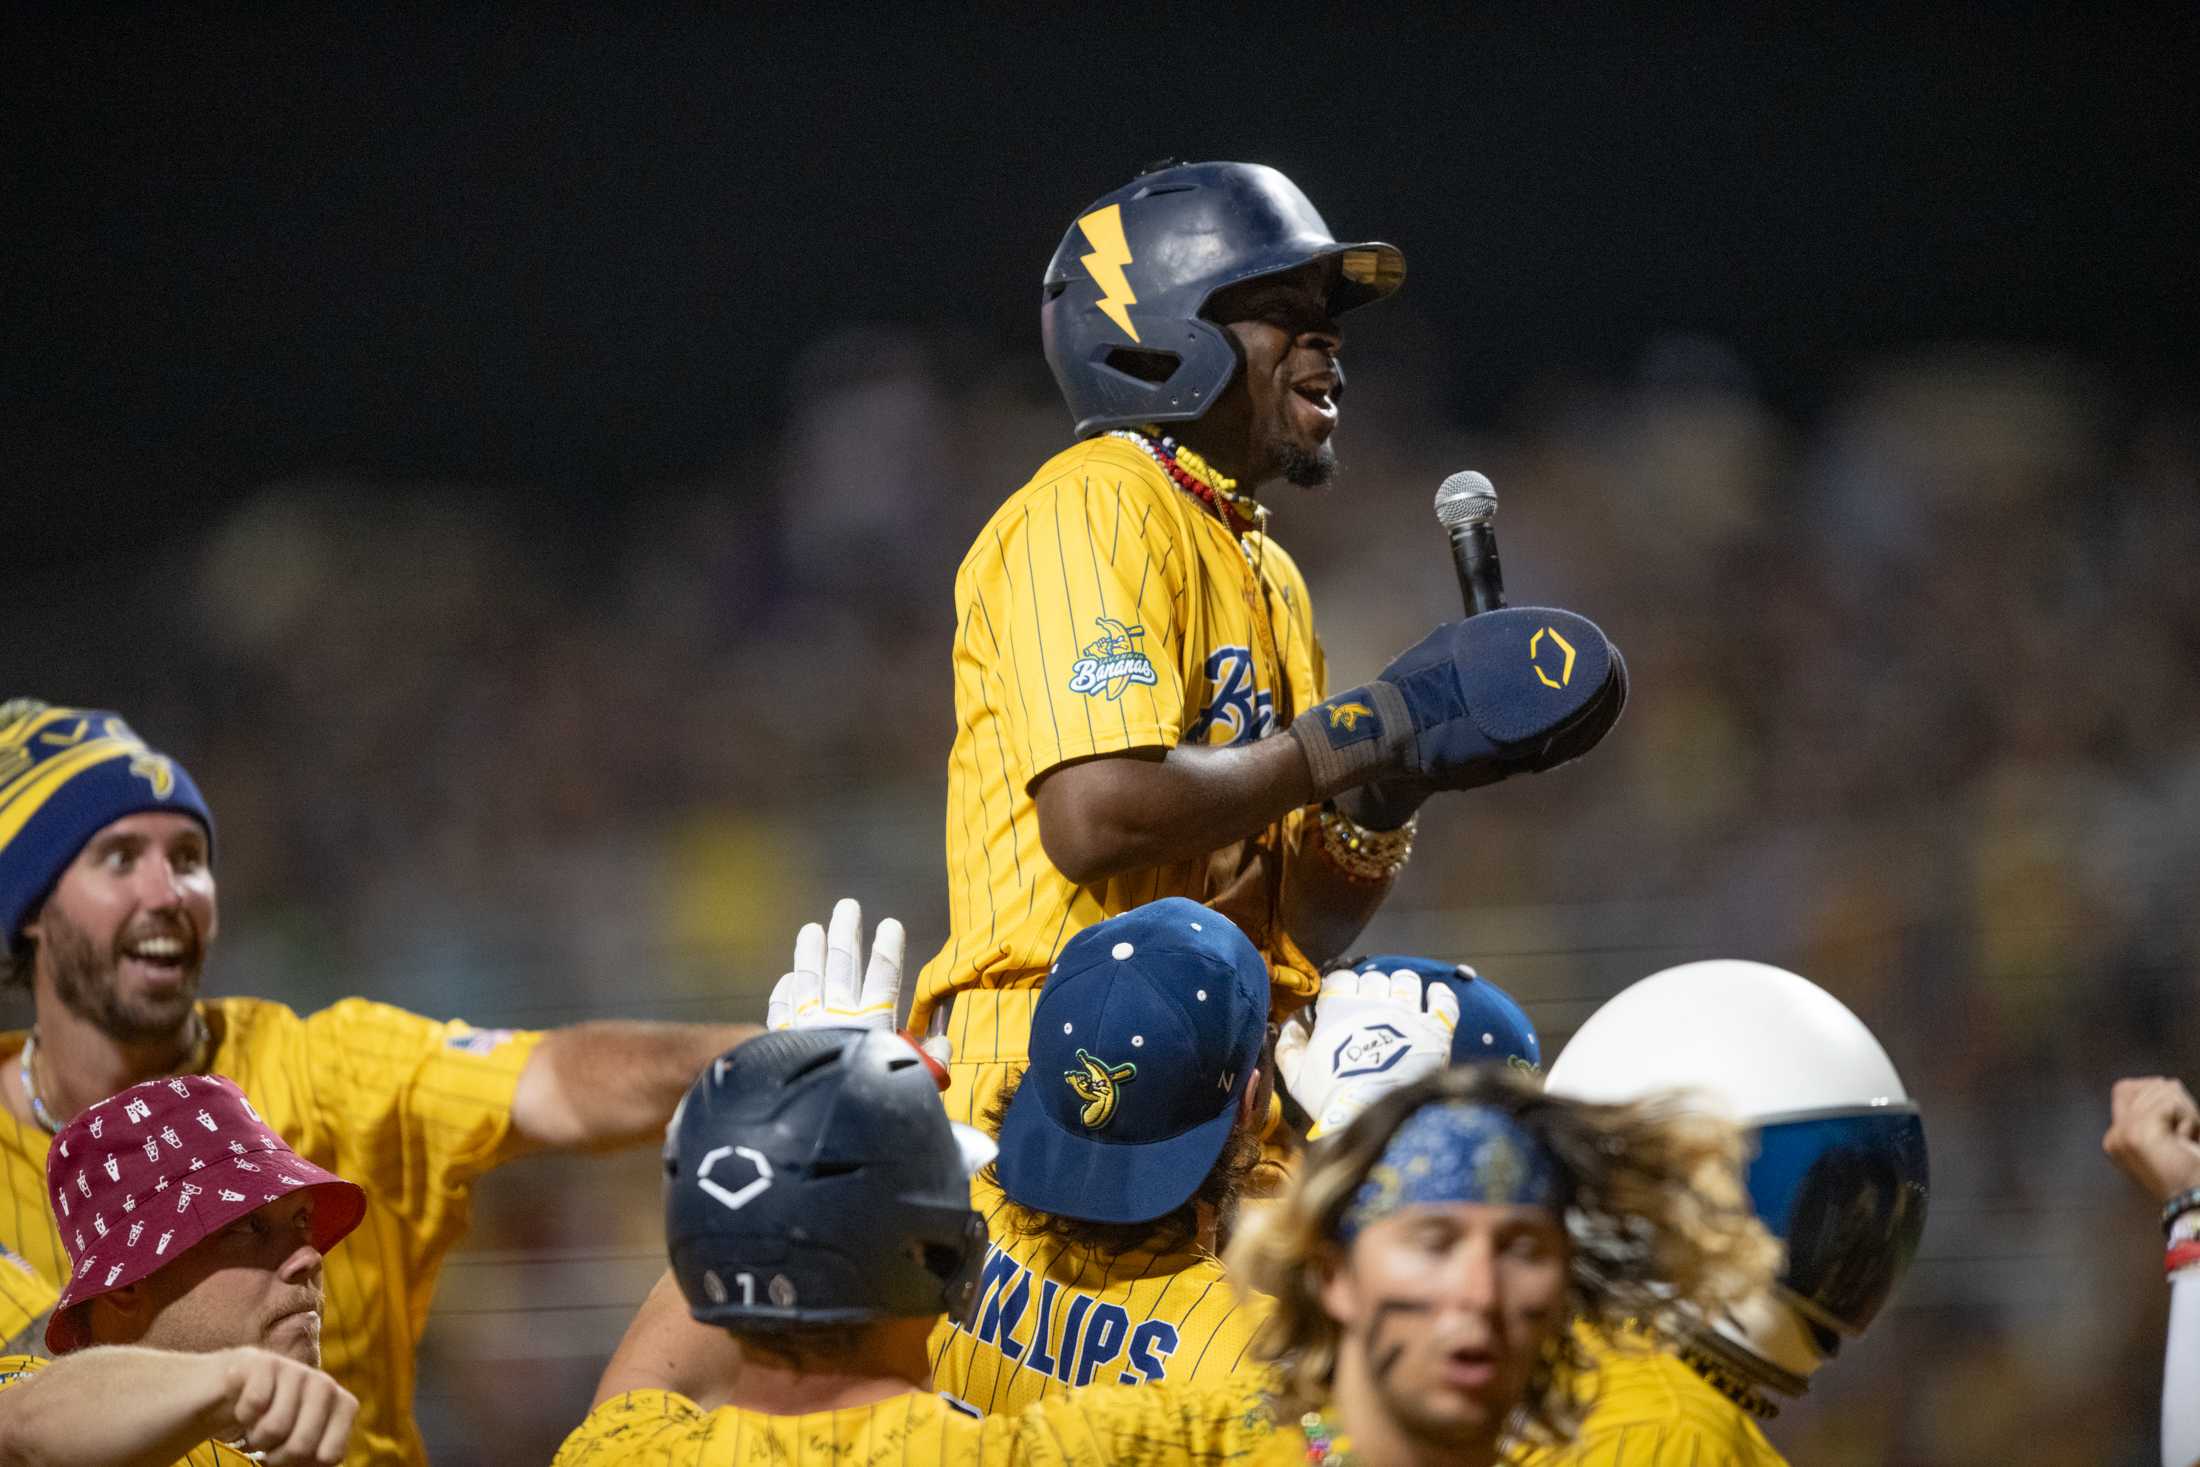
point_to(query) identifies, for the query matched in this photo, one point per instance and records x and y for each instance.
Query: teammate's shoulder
(626, 1426)
(15, 1369)
(1638, 1388)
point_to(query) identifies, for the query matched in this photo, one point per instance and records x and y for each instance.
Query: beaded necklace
(1325, 1444)
(45, 1117)
(1198, 478)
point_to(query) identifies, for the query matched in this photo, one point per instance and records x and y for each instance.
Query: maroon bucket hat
(142, 1176)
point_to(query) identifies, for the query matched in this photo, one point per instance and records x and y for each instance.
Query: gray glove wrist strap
(1336, 769)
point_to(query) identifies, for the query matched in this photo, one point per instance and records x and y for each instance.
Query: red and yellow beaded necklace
(1198, 478)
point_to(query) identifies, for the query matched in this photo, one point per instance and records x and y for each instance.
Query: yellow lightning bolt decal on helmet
(1110, 253)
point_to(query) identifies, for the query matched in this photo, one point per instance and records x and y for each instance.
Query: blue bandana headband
(65, 775)
(1457, 1151)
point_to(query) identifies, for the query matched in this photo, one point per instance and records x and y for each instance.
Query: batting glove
(823, 990)
(1513, 691)
(1370, 1034)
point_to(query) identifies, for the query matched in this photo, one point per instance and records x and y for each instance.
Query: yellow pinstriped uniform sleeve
(412, 1109)
(25, 1301)
(16, 1369)
(1051, 1317)
(1650, 1410)
(662, 1429)
(1100, 610)
(1157, 1426)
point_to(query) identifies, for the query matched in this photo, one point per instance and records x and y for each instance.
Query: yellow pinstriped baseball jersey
(1154, 1426)
(15, 1369)
(1101, 609)
(25, 1300)
(662, 1429)
(1051, 1316)
(1160, 1426)
(1653, 1411)
(412, 1109)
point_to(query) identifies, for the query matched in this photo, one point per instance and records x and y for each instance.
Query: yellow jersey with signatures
(1053, 1316)
(1650, 1410)
(412, 1109)
(1102, 609)
(1115, 1426)
(665, 1429)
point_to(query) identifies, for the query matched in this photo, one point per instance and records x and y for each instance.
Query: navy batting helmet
(1124, 292)
(813, 1178)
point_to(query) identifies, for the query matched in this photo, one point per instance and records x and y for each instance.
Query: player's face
(1445, 1310)
(124, 935)
(1291, 379)
(256, 1282)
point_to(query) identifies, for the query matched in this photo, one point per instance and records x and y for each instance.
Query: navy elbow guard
(1516, 690)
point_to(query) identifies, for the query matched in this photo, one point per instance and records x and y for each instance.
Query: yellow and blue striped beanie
(65, 775)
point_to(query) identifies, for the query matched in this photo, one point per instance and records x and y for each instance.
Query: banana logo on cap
(1097, 1084)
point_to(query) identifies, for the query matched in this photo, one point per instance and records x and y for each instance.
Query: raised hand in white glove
(823, 991)
(1365, 1036)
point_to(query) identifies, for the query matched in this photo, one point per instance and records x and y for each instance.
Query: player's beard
(1309, 470)
(88, 986)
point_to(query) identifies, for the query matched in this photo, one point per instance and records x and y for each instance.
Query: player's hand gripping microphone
(1504, 691)
(1466, 506)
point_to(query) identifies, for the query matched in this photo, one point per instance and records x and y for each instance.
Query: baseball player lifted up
(108, 912)
(1138, 684)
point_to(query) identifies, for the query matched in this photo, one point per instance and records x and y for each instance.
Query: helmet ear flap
(959, 1273)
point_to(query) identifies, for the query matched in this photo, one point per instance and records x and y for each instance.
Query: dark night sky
(579, 250)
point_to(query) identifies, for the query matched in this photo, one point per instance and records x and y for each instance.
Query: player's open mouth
(160, 957)
(1319, 394)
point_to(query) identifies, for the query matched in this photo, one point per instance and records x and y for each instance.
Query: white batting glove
(823, 990)
(1365, 1036)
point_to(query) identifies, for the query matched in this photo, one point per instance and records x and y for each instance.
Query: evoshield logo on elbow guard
(1535, 647)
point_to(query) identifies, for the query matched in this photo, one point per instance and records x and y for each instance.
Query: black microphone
(1466, 506)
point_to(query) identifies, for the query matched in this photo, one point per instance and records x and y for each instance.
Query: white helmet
(1839, 1175)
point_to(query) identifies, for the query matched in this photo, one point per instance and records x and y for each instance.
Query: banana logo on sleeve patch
(1112, 661)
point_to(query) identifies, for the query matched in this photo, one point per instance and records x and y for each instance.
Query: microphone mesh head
(1466, 498)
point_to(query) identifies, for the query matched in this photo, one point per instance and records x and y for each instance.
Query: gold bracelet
(1363, 854)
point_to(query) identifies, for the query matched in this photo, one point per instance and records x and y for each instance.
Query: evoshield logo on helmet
(1097, 1084)
(1535, 647)
(1110, 253)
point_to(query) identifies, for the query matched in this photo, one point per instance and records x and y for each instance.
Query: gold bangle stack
(1363, 854)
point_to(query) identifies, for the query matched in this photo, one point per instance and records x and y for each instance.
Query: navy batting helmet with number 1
(812, 1178)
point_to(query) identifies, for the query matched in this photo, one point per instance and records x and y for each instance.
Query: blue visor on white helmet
(1845, 1192)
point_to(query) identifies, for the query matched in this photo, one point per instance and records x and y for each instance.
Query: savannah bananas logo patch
(1112, 661)
(1347, 716)
(1110, 253)
(1098, 1085)
(1535, 657)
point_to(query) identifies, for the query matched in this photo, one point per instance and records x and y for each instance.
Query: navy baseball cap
(1145, 1036)
(1492, 1026)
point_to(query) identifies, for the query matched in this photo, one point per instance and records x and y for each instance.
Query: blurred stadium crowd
(1913, 715)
